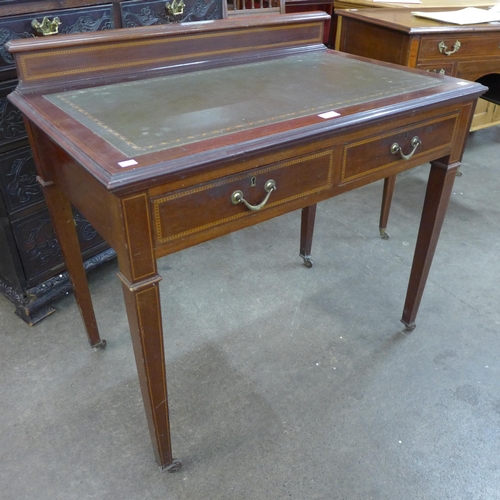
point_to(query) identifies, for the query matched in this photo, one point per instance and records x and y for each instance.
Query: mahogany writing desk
(164, 137)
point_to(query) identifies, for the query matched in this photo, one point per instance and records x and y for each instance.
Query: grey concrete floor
(284, 382)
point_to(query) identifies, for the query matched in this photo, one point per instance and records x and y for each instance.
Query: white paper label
(329, 114)
(127, 163)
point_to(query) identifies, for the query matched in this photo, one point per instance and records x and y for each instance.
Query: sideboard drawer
(459, 46)
(441, 68)
(433, 135)
(77, 20)
(206, 206)
(139, 13)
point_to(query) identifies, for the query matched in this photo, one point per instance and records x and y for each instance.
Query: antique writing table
(164, 137)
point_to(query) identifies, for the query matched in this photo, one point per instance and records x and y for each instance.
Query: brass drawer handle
(444, 49)
(442, 71)
(396, 148)
(237, 196)
(46, 27)
(175, 10)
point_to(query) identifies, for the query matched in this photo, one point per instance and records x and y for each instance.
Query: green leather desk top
(152, 115)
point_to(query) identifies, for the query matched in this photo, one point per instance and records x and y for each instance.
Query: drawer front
(78, 20)
(38, 247)
(11, 119)
(138, 13)
(434, 135)
(18, 183)
(207, 206)
(459, 46)
(478, 68)
(440, 69)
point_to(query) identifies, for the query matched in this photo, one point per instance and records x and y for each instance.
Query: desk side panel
(88, 195)
(372, 41)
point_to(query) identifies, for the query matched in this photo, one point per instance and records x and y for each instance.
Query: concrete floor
(284, 382)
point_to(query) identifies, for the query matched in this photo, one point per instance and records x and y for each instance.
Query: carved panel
(38, 246)
(11, 120)
(18, 182)
(72, 21)
(31, 258)
(149, 13)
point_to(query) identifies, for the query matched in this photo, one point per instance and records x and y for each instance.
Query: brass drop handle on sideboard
(396, 148)
(46, 27)
(237, 196)
(442, 71)
(444, 49)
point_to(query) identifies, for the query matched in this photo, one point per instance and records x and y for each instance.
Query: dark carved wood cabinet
(134, 13)
(32, 273)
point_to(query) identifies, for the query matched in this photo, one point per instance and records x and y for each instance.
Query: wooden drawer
(208, 206)
(440, 69)
(138, 13)
(470, 46)
(477, 68)
(435, 135)
(72, 21)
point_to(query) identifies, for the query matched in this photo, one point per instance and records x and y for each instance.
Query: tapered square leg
(140, 283)
(64, 226)
(437, 197)
(306, 234)
(389, 184)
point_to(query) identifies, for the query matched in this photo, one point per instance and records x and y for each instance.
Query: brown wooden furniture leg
(389, 184)
(64, 227)
(142, 301)
(439, 187)
(306, 234)
(140, 280)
